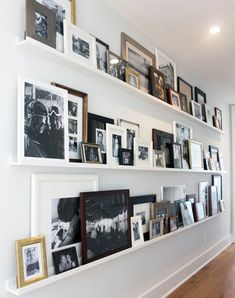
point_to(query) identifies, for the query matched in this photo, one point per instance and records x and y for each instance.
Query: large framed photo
(137, 237)
(42, 123)
(30, 260)
(117, 66)
(132, 131)
(195, 155)
(55, 210)
(155, 228)
(102, 55)
(40, 23)
(138, 58)
(65, 259)
(157, 84)
(105, 223)
(217, 181)
(167, 67)
(185, 88)
(196, 110)
(63, 9)
(91, 153)
(143, 152)
(116, 139)
(187, 213)
(77, 121)
(79, 45)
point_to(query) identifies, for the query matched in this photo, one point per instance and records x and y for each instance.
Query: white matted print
(115, 140)
(55, 209)
(137, 237)
(143, 152)
(144, 211)
(132, 131)
(42, 123)
(79, 45)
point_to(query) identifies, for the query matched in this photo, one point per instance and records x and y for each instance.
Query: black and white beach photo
(65, 259)
(80, 47)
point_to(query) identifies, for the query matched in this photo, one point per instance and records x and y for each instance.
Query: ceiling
(182, 27)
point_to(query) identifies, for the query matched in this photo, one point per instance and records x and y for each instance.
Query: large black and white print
(65, 259)
(44, 123)
(116, 144)
(32, 261)
(80, 47)
(41, 25)
(59, 12)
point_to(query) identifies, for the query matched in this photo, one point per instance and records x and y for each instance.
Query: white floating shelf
(11, 283)
(58, 57)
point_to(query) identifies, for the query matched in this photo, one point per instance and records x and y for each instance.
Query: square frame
(143, 153)
(93, 158)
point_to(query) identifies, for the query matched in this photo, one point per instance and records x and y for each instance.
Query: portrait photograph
(72, 108)
(102, 55)
(126, 157)
(117, 66)
(196, 110)
(161, 210)
(65, 259)
(185, 103)
(159, 159)
(155, 228)
(132, 131)
(157, 83)
(137, 237)
(91, 153)
(174, 98)
(142, 152)
(132, 77)
(101, 139)
(73, 126)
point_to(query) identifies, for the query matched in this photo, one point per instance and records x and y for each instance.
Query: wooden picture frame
(102, 55)
(132, 77)
(155, 228)
(91, 153)
(185, 88)
(157, 84)
(117, 66)
(94, 207)
(174, 98)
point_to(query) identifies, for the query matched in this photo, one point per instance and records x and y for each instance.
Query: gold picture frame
(132, 77)
(31, 260)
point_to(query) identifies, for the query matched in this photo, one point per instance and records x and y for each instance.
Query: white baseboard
(173, 281)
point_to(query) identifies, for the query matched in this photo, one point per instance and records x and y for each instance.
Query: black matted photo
(102, 55)
(65, 259)
(126, 157)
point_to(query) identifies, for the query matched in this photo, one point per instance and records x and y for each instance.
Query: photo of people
(136, 230)
(143, 152)
(143, 216)
(130, 138)
(32, 261)
(126, 158)
(101, 139)
(65, 259)
(73, 126)
(156, 228)
(133, 80)
(116, 144)
(91, 154)
(73, 144)
(80, 47)
(159, 159)
(159, 86)
(102, 56)
(177, 155)
(72, 108)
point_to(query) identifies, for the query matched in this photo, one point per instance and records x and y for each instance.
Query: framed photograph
(79, 45)
(132, 77)
(177, 156)
(214, 152)
(65, 260)
(40, 23)
(105, 223)
(126, 157)
(42, 123)
(196, 110)
(217, 181)
(102, 55)
(174, 99)
(141, 206)
(216, 122)
(159, 159)
(132, 131)
(191, 198)
(218, 114)
(177, 210)
(155, 228)
(115, 140)
(185, 103)
(195, 155)
(30, 261)
(185, 88)
(213, 200)
(137, 237)
(157, 84)
(138, 58)
(203, 194)
(163, 141)
(117, 66)
(63, 9)
(91, 153)
(187, 213)
(173, 223)
(167, 67)
(143, 152)
(55, 210)
(77, 121)
(200, 212)
(173, 193)
(221, 206)
(200, 96)
(161, 210)
(208, 114)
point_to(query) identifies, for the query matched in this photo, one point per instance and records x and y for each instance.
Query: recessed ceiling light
(214, 30)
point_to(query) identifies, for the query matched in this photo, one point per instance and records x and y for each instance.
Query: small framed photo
(218, 114)
(182, 132)
(132, 77)
(214, 153)
(195, 155)
(65, 260)
(40, 23)
(117, 66)
(155, 228)
(31, 261)
(132, 131)
(177, 156)
(174, 98)
(200, 96)
(191, 198)
(187, 213)
(203, 194)
(185, 103)
(217, 181)
(200, 212)
(137, 237)
(79, 45)
(208, 114)
(157, 83)
(177, 210)
(159, 159)
(91, 153)
(216, 122)
(161, 210)
(126, 157)
(102, 55)
(173, 223)
(185, 88)
(213, 200)
(221, 206)
(142, 152)
(196, 110)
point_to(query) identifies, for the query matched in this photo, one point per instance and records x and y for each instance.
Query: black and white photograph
(41, 25)
(196, 110)
(126, 157)
(130, 135)
(73, 126)
(177, 156)
(212, 200)
(173, 223)
(65, 259)
(161, 210)
(81, 47)
(203, 194)
(143, 217)
(200, 213)
(159, 159)
(143, 153)
(132, 131)
(218, 116)
(116, 144)
(32, 261)
(132, 77)
(185, 104)
(91, 153)
(72, 108)
(208, 114)
(102, 55)
(133, 80)
(173, 193)
(73, 144)
(155, 228)
(65, 226)
(101, 139)
(217, 181)
(105, 217)
(117, 66)
(136, 231)
(187, 213)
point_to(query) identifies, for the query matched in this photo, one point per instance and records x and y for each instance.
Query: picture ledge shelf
(11, 283)
(58, 57)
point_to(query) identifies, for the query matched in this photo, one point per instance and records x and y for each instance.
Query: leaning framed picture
(155, 228)
(31, 260)
(102, 55)
(200, 212)
(132, 131)
(181, 132)
(177, 156)
(65, 260)
(117, 66)
(174, 98)
(173, 223)
(132, 77)
(185, 88)
(159, 159)
(214, 152)
(79, 45)
(213, 200)
(196, 110)
(91, 153)
(217, 181)
(195, 155)
(105, 223)
(143, 153)
(161, 210)
(55, 210)
(185, 103)
(187, 213)
(42, 123)
(77, 121)
(137, 237)
(157, 84)
(218, 115)
(208, 114)
(203, 194)
(126, 157)
(200, 96)
(173, 193)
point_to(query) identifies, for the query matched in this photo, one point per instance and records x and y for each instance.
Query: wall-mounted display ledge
(11, 284)
(58, 57)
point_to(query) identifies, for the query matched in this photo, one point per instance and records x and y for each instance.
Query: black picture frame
(97, 241)
(40, 23)
(178, 212)
(65, 260)
(191, 197)
(177, 155)
(102, 60)
(126, 157)
(185, 88)
(96, 122)
(200, 97)
(117, 66)
(214, 181)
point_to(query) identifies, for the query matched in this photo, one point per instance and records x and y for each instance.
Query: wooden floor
(215, 280)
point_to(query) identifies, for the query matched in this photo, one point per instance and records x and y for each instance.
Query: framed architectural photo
(155, 228)
(173, 223)
(208, 114)
(185, 88)
(137, 237)
(117, 66)
(213, 200)
(218, 114)
(126, 157)
(143, 153)
(203, 194)
(102, 55)
(157, 84)
(185, 103)
(40, 23)
(30, 260)
(132, 77)
(187, 213)
(115, 140)
(195, 155)
(105, 223)
(161, 210)
(132, 131)
(65, 260)
(196, 110)
(91, 153)
(55, 210)
(159, 159)
(79, 45)
(167, 67)
(177, 156)
(42, 123)
(200, 212)
(174, 98)
(77, 121)
(217, 181)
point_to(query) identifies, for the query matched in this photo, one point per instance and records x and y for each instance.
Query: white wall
(132, 275)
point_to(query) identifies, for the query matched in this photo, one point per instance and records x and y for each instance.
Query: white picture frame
(196, 110)
(137, 237)
(209, 114)
(34, 143)
(115, 140)
(132, 131)
(85, 54)
(143, 153)
(181, 132)
(195, 155)
(45, 189)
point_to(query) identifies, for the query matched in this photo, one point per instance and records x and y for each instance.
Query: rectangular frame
(161, 210)
(187, 213)
(174, 98)
(155, 228)
(117, 66)
(159, 159)
(132, 131)
(126, 157)
(195, 156)
(143, 157)
(132, 77)
(65, 260)
(185, 88)
(173, 223)
(102, 55)
(213, 200)
(157, 84)
(218, 114)
(185, 103)
(177, 156)
(200, 212)
(217, 181)
(137, 237)
(94, 157)
(208, 114)
(196, 110)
